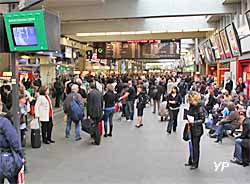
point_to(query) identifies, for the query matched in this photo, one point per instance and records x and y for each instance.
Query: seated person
(238, 140)
(228, 123)
(211, 102)
(242, 103)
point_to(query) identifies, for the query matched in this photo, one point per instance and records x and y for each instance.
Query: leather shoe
(46, 142)
(187, 164)
(193, 167)
(51, 141)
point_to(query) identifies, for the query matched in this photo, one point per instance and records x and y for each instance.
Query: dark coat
(95, 104)
(199, 118)
(9, 137)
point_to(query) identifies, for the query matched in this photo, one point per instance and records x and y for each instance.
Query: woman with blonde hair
(110, 98)
(195, 116)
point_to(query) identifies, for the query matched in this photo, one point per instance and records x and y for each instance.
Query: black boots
(110, 131)
(105, 132)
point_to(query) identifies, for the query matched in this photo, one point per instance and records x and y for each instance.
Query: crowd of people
(224, 111)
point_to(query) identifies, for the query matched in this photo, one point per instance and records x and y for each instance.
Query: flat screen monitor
(233, 40)
(225, 43)
(24, 34)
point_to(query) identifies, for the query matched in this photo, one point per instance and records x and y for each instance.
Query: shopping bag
(21, 176)
(34, 124)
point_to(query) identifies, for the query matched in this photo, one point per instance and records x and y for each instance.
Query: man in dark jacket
(95, 108)
(229, 85)
(74, 94)
(58, 90)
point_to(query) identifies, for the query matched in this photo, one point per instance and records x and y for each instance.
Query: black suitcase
(35, 138)
(90, 127)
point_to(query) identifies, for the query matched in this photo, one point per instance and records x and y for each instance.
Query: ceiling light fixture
(207, 29)
(128, 33)
(174, 31)
(113, 33)
(158, 32)
(142, 32)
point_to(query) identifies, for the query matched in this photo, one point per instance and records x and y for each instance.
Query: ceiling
(98, 16)
(70, 3)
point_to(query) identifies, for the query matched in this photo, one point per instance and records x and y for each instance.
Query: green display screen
(26, 31)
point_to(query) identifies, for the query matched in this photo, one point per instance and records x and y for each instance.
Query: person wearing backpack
(74, 109)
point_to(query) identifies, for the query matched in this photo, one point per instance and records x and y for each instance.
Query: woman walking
(141, 104)
(174, 101)
(195, 117)
(110, 98)
(44, 112)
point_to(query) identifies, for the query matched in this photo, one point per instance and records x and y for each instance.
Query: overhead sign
(26, 31)
(150, 49)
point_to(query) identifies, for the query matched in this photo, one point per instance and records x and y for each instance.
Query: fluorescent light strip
(158, 32)
(127, 33)
(207, 29)
(113, 33)
(142, 32)
(174, 31)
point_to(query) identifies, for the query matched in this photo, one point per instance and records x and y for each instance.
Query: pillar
(218, 74)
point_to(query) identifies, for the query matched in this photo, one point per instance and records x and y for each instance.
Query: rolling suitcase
(35, 138)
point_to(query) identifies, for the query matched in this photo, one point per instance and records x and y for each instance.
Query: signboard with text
(26, 31)
(151, 49)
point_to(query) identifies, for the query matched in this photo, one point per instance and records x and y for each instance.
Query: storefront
(223, 72)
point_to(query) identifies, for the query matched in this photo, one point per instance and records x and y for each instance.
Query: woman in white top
(44, 112)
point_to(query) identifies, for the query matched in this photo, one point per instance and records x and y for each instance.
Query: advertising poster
(219, 46)
(209, 53)
(233, 42)
(225, 43)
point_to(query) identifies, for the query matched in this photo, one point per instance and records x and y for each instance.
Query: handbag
(186, 132)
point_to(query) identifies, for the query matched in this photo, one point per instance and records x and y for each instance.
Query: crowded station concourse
(155, 91)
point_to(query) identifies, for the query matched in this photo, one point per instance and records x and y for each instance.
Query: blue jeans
(129, 110)
(77, 128)
(219, 131)
(108, 115)
(238, 149)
